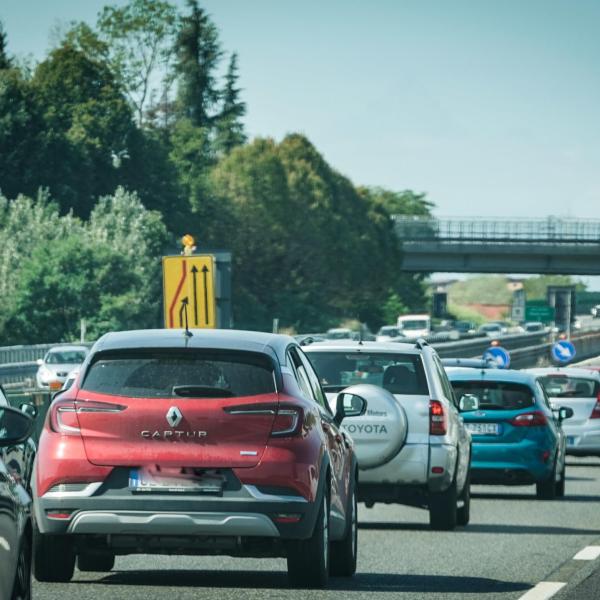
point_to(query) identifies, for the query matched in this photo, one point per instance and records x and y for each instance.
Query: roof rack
(420, 343)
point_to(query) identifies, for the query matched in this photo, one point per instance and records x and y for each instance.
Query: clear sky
(489, 106)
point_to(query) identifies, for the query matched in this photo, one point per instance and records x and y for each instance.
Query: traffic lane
(513, 541)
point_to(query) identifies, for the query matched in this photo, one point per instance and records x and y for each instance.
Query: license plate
(570, 440)
(177, 481)
(483, 428)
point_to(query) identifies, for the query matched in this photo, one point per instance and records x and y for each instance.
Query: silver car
(58, 363)
(412, 445)
(579, 389)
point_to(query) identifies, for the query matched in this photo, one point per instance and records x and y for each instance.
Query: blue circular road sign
(498, 355)
(563, 351)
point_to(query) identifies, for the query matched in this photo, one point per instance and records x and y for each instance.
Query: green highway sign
(539, 311)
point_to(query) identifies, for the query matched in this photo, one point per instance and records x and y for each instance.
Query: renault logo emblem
(174, 416)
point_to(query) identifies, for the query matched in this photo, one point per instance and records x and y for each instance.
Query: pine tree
(5, 62)
(229, 128)
(198, 54)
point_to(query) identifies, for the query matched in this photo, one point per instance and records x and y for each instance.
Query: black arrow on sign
(205, 277)
(183, 313)
(194, 273)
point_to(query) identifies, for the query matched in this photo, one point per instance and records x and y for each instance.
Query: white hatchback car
(579, 389)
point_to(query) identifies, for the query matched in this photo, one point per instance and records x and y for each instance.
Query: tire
(344, 552)
(560, 485)
(442, 509)
(546, 490)
(22, 585)
(96, 563)
(53, 558)
(463, 513)
(308, 560)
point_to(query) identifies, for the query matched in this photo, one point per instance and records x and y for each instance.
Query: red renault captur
(201, 442)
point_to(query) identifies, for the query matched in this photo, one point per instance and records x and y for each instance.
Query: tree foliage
(139, 38)
(96, 120)
(198, 55)
(5, 62)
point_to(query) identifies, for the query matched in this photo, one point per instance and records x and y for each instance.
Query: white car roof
(581, 372)
(353, 346)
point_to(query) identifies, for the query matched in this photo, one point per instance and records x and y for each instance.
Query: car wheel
(308, 560)
(22, 586)
(442, 509)
(344, 552)
(53, 558)
(546, 490)
(98, 563)
(463, 513)
(560, 484)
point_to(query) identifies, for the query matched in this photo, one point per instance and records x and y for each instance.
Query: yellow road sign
(189, 291)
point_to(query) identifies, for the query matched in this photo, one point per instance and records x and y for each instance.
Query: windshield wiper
(201, 391)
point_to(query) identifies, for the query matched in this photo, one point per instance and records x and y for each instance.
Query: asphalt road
(513, 542)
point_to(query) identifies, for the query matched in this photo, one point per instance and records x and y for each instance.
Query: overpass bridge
(527, 246)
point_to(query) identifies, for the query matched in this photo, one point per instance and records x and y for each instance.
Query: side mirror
(564, 412)
(39, 362)
(349, 405)
(29, 409)
(15, 426)
(468, 402)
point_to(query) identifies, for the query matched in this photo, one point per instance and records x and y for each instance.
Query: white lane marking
(4, 544)
(543, 590)
(588, 553)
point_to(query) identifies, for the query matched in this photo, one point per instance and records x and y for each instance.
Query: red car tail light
(530, 419)
(287, 418)
(288, 421)
(63, 413)
(596, 410)
(63, 417)
(438, 420)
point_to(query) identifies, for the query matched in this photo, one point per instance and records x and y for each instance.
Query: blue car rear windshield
(167, 373)
(496, 395)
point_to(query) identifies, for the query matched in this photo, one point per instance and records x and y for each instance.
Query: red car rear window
(170, 373)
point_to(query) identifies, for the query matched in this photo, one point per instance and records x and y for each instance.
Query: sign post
(189, 291)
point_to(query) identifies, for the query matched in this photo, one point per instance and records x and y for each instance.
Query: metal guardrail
(551, 230)
(29, 354)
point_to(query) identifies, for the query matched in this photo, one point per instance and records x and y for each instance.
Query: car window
(314, 383)
(496, 395)
(169, 373)
(70, 357)
(301, 375)
(563, 386)
(398, 373)
(446, 386)
(3, 398)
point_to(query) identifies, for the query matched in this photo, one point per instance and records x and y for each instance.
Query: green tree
(57, 270)
(536, 287)
(198, 55)
(406, 202)
(5, 62)
(139, 37)
(229, 127)
(88, 128)
(482, 289)
(23, 136)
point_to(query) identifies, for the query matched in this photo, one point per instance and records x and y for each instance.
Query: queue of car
(256, 445)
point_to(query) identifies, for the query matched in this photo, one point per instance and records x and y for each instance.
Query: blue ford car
(517, 437)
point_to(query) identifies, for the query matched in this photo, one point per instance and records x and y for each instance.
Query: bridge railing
(551, 230)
